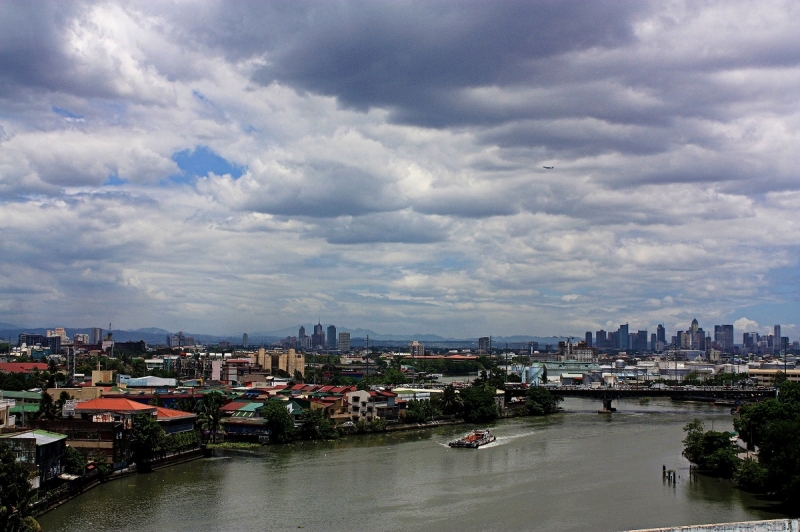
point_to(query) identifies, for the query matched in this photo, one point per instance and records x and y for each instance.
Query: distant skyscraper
(776, 338)
(601, 340)
(416, 349)
(661, 334)
(588, 338)
(750, 342)
(695, 325)
(95, 335)
(653, 342)
(723, 336)
(344, 342)
(244, 340)
(331, 337)
(484, 344)
(318, 338)
(623, 337)
(641, 341)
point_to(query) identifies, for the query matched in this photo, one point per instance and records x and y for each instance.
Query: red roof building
(22, 367)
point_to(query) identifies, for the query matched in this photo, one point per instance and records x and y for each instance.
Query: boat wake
(499, 440)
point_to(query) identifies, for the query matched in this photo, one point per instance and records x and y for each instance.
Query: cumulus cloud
(388, 164)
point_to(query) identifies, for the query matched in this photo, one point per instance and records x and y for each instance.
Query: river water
(573, 471)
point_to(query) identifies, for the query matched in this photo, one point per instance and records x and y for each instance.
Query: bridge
(730, 395)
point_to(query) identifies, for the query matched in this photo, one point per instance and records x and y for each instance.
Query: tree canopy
(15, 494)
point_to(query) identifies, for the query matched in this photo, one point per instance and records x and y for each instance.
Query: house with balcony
(368, 405)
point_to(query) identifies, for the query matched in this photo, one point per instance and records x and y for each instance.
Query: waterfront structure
(344, 342)
(41, 451)
(368, 405)
(331, 343)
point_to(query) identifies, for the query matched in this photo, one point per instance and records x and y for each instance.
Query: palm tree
(47, 408)
(211, 412)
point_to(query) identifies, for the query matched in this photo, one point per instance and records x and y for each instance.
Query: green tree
(780, 455)
(74, 461)
(752, 476)
(780, 378)
(16, 494)
(451, 401)
(47, 408)
(187, 404)
(540, 402)
(478, 404)
(315, 426)
(157, 400)
(211, 413)
(147, 439)
(710, 450)
(414, 412)
(62, 400)
(279, 421)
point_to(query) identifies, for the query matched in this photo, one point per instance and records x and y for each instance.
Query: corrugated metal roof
(42, 437)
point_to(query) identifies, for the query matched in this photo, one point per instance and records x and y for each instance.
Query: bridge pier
(607, 408)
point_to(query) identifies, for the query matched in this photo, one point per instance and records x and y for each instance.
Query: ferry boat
(474, 439)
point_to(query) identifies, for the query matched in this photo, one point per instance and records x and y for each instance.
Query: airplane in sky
(548, 167)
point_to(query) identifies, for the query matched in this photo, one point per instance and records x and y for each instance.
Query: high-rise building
(588, 338)
(654, 342)
(318, 338)
(331, 337)
(244, 340)
(601, 340)
(302, 339)
(344, 342)
(416, 349)
(776, 335)
(723, 336)
(623, 337)
(661, 334)
(641, 341)
(750, 342)
(484, 344)
(613, 340)
(95, 335)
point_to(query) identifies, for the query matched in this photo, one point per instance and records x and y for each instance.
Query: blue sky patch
(201, 161)
(115, 181)
(69, 115)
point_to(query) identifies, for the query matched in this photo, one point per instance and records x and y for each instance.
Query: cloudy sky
(228, 167)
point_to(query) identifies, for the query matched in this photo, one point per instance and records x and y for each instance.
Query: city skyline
(456, 169)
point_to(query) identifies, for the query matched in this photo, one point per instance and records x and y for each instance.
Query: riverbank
(77, 487)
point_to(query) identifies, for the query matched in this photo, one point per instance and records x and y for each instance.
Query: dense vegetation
(540, 402)
(772, 426)
(15, 494)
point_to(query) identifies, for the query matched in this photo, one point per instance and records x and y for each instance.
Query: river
(573, 471)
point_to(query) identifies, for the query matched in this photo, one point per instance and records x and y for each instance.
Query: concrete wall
(775, 525)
